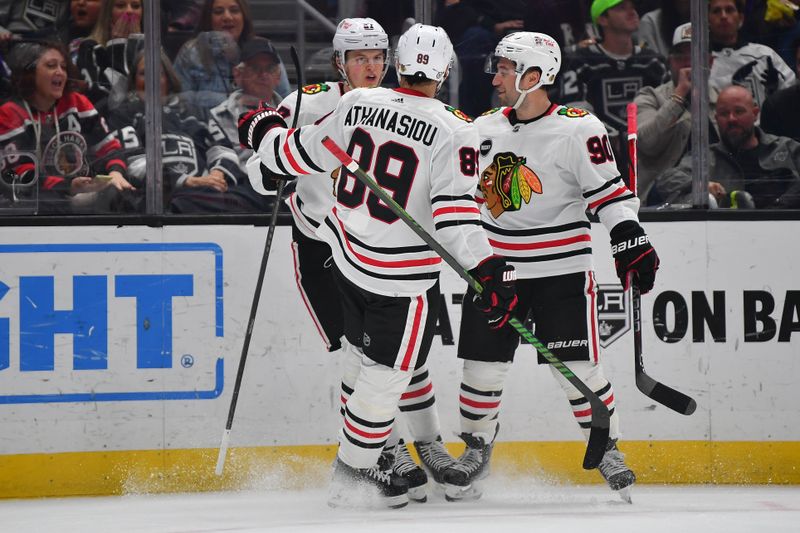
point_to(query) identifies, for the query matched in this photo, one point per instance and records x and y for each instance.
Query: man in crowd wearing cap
(604, 77)
(256, 78)
(663, 116)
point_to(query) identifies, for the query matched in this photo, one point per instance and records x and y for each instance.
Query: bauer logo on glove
(631, 243)
(634, 257)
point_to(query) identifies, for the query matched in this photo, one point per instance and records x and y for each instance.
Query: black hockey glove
(270, 180)
(499, 296)
(254, 124)
(633, 254)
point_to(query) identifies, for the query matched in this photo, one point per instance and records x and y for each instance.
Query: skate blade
(454, 493)
(418, 494)
(625, 494)
(359, 497)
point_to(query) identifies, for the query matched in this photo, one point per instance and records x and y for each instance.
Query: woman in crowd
(204, 64)
(201, 174)
(104, 57)
(54, 136)
(83, 17)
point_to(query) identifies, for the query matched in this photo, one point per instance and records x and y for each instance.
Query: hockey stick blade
(666, 396)
(600, 425)
(273, 221)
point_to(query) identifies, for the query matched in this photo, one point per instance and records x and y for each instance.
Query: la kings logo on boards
(613, 315)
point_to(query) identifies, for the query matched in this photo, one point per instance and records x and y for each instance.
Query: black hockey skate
(367, 487)
(461, 479)
(616, 473)
(405, 467)
(434, 458)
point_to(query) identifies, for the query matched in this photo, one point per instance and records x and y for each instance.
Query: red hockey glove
(633, 254)
(499, 296)
(254, 124)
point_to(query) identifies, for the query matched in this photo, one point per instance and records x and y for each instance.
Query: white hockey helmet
(424, 51)
(527, 50)
(359, 34)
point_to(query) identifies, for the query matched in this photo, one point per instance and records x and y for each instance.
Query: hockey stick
(667, 396)
(598, 435)
(226, 435)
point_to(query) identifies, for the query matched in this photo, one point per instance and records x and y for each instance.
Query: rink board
(119, 348)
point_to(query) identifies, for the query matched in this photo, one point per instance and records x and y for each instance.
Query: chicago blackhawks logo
(65, 153)
(572, 112)
(507, 182)
(491, 111)
(458, 113)
(315, 88)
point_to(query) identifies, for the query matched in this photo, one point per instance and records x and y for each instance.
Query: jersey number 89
(350, 191)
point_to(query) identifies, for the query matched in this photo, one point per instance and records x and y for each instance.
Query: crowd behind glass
(72, 106)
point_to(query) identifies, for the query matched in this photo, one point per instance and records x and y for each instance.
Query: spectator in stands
(780, 114)
(205, 63)
(83, 17)
(604, 77)
(256, 77)
(475, 27)
(53, 135)
(567, 21)
(664, 121)
(746, 159)
(774, 23)
(181, 15)
(658, 26)
(34, 20)
(104, 57)
(200, 174)
(736, 61)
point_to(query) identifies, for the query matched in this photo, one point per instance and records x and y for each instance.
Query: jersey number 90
(599, 149)
(350, 191)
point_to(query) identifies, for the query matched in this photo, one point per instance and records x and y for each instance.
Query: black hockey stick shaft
(666, 396)
(598, 435)
(273, 221)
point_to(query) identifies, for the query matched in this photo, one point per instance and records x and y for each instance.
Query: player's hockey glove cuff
(254, 124)
(499, 296)
(634, 256)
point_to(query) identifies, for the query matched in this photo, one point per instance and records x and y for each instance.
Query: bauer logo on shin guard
(630, 243)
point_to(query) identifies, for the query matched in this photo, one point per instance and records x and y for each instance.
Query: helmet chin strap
(524, 92)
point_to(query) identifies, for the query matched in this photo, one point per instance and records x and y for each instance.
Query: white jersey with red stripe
(538, 179)
(418, 149)
(313, 198)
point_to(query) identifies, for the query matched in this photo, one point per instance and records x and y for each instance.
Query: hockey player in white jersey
(361, 56)
(542, 167)
(424, 153)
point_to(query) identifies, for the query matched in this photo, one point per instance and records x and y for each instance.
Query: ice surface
(507, 506)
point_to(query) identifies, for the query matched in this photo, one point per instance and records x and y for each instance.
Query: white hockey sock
(479, 398)
(592, 375)
(351, 366)
(418, 404)
(369, 413)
